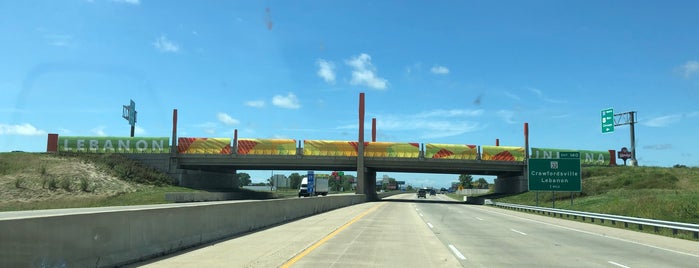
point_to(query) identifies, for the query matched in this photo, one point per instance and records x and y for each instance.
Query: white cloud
(666, 120)
(689, 69)
(541, 96)
(507, 115)
(430, 124)
(364, 73)
(256, 103)
(208, 128)
(325, 70)
(415, 67)
(140, 131)
(227, 119)
(658, 147)
(450, 113)
(99, 131)
(289, 101)
(439, 70)
(132, 2)
(59, 40)
(512, 96)
(165, 45)
(21, 130)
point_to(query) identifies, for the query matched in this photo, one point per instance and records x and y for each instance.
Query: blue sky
(465, 72)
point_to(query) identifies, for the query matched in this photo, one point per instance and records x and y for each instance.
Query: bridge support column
(511, 184)
(370, 185)
(208, 180)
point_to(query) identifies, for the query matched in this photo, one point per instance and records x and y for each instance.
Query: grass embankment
(670, 194)
(30, 181)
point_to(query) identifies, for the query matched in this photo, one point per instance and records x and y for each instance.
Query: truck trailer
(320, 187)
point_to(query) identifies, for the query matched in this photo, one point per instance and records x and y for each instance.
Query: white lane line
(430, 225)
(456, 252)
(522, 233)
(421, 215)
(477, 218)
(617, 264)
(595, 234)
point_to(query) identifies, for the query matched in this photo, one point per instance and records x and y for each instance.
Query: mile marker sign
(608, 120)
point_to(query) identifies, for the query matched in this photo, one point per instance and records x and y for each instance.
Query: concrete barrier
(113, 238)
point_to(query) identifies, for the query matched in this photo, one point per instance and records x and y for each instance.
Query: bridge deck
(300, 162)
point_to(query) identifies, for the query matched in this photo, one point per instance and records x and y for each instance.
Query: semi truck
(320, 187)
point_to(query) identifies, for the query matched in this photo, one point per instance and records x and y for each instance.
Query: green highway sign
(608, 120)
(571, 155)
(562, 174)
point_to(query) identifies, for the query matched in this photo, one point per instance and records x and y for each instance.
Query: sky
(457, 72)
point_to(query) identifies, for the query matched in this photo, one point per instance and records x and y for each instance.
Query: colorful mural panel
(267, 146)
(204, 145)
(329, 148)
(502, 153)
(451, 151)
(392, 149)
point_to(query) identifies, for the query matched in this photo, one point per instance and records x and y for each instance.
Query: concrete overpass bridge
(211, 163)
(216, 171)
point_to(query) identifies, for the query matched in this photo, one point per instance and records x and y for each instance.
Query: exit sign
(608, 120)
(559, 174)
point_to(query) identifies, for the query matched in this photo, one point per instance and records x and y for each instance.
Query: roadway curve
(407, 232)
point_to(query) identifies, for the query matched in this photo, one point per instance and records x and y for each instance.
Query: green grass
(147, 196)
(670, 194)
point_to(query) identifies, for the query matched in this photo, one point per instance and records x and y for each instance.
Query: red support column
(52, 143)
(173, 147)
(612, 157)
(373, 129)
(526, 140)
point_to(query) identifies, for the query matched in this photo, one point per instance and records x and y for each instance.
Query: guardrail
(656, 224)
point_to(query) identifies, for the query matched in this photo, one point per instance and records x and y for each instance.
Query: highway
(406, 232)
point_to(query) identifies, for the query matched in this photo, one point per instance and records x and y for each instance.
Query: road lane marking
(456, 252)
(328, 237)
(477, 218)
(421, 215)
(522, 233)
(595, 234)
(430, 225)
(617, 264)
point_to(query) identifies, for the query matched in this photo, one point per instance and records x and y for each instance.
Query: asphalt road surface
(405, 231)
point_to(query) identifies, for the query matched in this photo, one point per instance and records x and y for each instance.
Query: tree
(409, 188)
(295, 180)
(466, 180)
(243, 179)
(482, 183)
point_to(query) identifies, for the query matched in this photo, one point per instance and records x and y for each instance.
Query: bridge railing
(640, 222)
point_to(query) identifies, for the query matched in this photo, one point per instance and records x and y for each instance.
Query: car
(422, 193)
(433, 192)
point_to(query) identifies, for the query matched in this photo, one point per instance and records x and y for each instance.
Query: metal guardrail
(656, 224)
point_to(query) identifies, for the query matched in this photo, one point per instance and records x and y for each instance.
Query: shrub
(65, 184)
(52, 184)
(43, 170)
(19, 182)
(85, 185)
